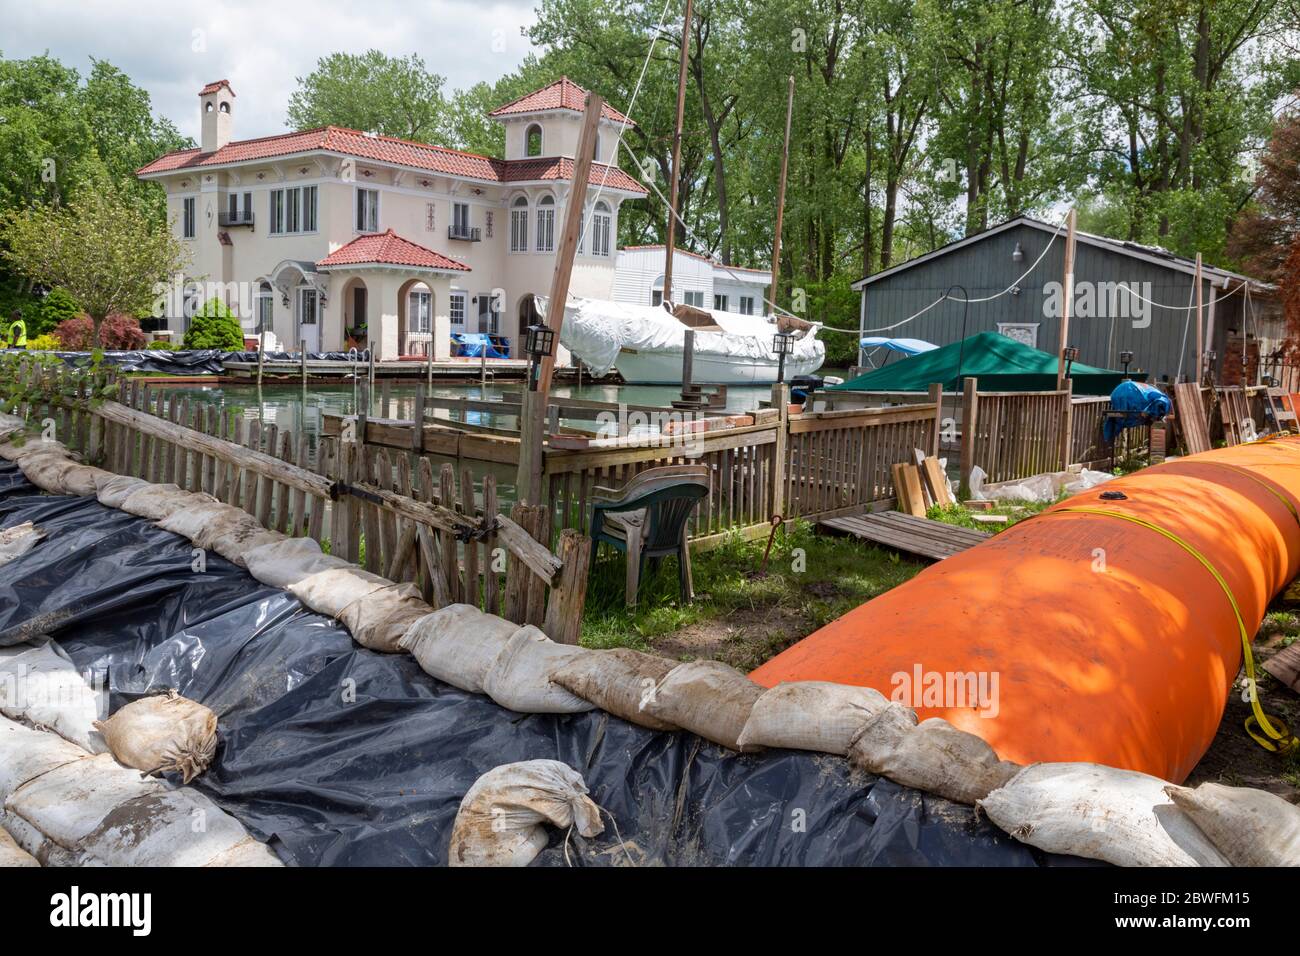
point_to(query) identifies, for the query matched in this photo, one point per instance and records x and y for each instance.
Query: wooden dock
(922, 537)
(342, 369)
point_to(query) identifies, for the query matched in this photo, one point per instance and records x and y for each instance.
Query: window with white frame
(293, 210)
(460, 219)
(367, 210)
(519, 225)
(456, 311)
(746, 305)
(695, 298)
(420, 312)
(720, 302)
(601, 221)
(546, 224)
(189, 218)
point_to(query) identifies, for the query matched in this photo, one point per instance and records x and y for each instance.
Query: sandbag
(111, 816)
(330, 591)
(707, 698)
(25, 754)
(380, 619)
(42, 687)
(282, 564)
(933, 756)
(520, 677)
(195, 521)
(17, 451)
(9, 425)
(112, 490)
(457, 644)
(500, 819)
(1101, 813)
(54, 472)
(165, 733)
(810, 715)
(11, 854)
(1249, 827)
(36, 844)
(18, 540)
(617, 681)
(157, 502)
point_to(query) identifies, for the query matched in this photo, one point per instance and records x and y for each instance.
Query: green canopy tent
(1001, 364)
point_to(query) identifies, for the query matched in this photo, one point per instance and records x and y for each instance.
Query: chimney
(217, 103)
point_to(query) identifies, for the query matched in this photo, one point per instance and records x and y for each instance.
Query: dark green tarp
(1001, 364)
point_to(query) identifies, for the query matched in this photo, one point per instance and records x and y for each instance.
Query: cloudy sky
(173, 48)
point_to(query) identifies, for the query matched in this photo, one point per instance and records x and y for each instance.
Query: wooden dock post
(781, 402)
(936, 396)
(1067, 426)
(1067, 300)
(969, 416)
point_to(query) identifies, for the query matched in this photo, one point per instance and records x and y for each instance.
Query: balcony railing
(242, 218)
(467, 233)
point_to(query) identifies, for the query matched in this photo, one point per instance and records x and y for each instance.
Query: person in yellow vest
(17, 335)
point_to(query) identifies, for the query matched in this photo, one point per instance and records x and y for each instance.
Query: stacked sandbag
(22, 448)
(933, 755)
(618, 681)
(165, 733)
(11, 854)
(157, 502)
(500, 821)
(112, 490)
(520, 677)
(379, 620)
(282, 564)
(18, 540)
(9, 425)
(1249, 827)
(1100, 813)
(40, 686)
(810, 715)
(457, 644)
(222, 528)
(54, 472)
(332, 590)
(707, 698)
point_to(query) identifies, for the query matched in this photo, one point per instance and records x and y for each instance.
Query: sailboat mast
(677, 156)
(780, 195)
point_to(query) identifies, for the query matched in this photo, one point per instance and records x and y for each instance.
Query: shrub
(164, 345)
(55, 308)
(44, 343)
(214, 327)
(116, 332)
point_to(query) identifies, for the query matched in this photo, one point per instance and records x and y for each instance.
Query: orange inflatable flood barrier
(1082, 636)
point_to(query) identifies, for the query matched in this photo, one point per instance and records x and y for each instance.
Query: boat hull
(640, 367)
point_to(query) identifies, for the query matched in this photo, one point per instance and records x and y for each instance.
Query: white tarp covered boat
(646, 343)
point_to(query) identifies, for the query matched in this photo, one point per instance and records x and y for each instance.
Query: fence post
(969, 416)
(1067, 426)
(780, 401)
(936, 396)
(567, 598)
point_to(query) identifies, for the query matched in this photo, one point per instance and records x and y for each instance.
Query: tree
(374, 92)
(104, 248)
(214, 326)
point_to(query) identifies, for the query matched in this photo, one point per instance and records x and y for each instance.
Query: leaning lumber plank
(935, 482)
(907, 485)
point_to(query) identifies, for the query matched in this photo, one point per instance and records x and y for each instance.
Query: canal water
(301, 410)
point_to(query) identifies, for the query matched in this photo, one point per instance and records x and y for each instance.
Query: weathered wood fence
(360, 502)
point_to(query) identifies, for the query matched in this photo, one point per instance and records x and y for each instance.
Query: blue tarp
(1141, 403)
(472, 344)
(906, 346)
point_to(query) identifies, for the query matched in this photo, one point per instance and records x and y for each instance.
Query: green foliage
(36, 379)
(44, 343)
(167, 345)
(372, 92)
(106, 248)
(214, 327)
(41, 314)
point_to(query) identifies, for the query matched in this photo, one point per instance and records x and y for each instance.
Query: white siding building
(697, 281)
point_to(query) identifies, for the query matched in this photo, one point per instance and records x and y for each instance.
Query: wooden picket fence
(360, 502)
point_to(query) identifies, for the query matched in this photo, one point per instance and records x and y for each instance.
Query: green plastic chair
(647, 521)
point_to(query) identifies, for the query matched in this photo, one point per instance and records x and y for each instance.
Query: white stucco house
(697, 280)
(332, 236)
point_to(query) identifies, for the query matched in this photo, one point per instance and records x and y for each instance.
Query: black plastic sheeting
(337, 755)
(193, 361)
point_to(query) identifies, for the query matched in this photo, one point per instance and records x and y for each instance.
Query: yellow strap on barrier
(1279, 738)
(1290, 505)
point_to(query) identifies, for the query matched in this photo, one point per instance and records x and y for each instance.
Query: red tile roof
(390, 249)
(563, 94)
(561, 168)
(213, 87)
(388, 149)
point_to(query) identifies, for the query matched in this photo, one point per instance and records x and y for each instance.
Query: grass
(960, 516)
(811, 580)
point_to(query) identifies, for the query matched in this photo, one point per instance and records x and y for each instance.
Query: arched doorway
(415, 306)
(528, 315)
(356, 314)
